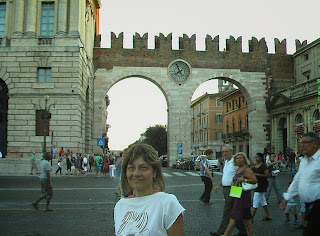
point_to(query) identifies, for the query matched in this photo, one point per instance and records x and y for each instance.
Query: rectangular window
(306, 75)
(44, 75)
(2, 17)
(218, 103)
(219, 118)
(47, 19)
(40, 124)
(218, 136)
(306, 57)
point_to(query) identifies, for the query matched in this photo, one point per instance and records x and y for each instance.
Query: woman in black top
(262, 173)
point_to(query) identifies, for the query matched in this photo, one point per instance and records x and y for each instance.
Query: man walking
(33, 164)
(46, 185)
(206, 177)
(306, 183)
(229, 170)
(99, 162)
(292, 161)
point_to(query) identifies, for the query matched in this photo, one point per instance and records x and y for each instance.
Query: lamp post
(45, 115)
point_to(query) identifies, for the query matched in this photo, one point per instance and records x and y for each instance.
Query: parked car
(214, 163)
(178, 163)
(188, 164)
(164, 160)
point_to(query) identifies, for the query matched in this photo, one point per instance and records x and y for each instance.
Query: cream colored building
(235, 121)
(46, 58)
(207, 128)
(295, 110)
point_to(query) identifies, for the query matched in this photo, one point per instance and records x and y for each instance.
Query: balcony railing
(301, 90)
(45, 40)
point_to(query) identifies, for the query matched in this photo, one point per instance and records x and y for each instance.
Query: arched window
(299, 119)
(316, 115)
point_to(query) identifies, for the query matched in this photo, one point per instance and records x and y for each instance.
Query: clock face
(179, 71)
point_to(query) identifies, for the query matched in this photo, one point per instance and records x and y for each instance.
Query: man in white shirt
(229, 171)
(306, 182)
(46, 185)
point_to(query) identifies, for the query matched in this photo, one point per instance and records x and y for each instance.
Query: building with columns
(295, 110)
(46, 55)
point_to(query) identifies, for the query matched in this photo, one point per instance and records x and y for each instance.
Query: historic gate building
(51, 48)
(254, 72)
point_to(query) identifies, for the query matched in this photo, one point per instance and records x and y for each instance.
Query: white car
(214, 163)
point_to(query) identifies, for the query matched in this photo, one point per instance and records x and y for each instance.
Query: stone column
(31, 17)
(19, 17)
(179, 128)
(74, 17)
(62, 16)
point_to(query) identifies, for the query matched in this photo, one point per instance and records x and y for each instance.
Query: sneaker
(286, 221)
(295, 222)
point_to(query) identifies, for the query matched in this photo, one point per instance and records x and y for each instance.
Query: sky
(132, 111)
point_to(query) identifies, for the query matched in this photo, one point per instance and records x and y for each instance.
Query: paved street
(83, 205)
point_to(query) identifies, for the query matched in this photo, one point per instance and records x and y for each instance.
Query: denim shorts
(98, 168)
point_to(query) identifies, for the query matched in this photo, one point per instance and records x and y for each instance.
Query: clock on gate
(179, 71)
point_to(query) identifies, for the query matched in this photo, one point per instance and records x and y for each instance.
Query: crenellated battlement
(187, 43)
(258, 46)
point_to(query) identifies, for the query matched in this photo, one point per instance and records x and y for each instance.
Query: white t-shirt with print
(150, 215)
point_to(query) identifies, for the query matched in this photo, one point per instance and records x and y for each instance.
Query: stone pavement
(84, 206)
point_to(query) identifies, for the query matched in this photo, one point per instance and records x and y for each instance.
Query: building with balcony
(295, 110)
(207, 123)
(46, 50)
(235, 121)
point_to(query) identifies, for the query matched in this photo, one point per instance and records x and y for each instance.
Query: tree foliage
(156, 136)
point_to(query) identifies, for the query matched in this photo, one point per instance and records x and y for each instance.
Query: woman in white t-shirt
(146, 210)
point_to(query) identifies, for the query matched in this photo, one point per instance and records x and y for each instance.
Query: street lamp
(45, 115)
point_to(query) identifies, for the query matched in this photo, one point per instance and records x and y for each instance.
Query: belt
(226, 186)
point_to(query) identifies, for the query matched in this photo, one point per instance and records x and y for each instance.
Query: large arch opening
(219, 111)
(135, 103)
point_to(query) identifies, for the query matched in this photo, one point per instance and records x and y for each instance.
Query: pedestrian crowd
(145, 209)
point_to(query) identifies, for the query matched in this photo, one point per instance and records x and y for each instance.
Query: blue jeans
(272, 181)
(292, 168)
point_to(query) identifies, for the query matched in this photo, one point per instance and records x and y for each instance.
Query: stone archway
(178, 97)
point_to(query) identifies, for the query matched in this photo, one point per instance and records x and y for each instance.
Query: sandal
(266, 218)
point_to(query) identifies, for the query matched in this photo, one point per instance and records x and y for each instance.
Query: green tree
(156, 136)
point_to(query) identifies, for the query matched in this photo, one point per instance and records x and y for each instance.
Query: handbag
(248, 187)
(235, 191)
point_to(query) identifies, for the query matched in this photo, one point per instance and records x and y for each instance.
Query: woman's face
(258, 159)
(240, 160)
(140, 177)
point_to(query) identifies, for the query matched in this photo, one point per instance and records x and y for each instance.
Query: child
(291, 208)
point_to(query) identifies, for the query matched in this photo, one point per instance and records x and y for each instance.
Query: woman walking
(262, 173)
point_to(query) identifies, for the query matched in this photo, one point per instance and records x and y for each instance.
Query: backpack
(100, 161)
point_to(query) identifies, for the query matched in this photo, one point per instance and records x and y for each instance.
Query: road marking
(178, 174)
(166, 174)
(192, 173)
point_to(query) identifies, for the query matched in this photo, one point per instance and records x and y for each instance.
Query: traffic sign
(101, 142)
(179, 145)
